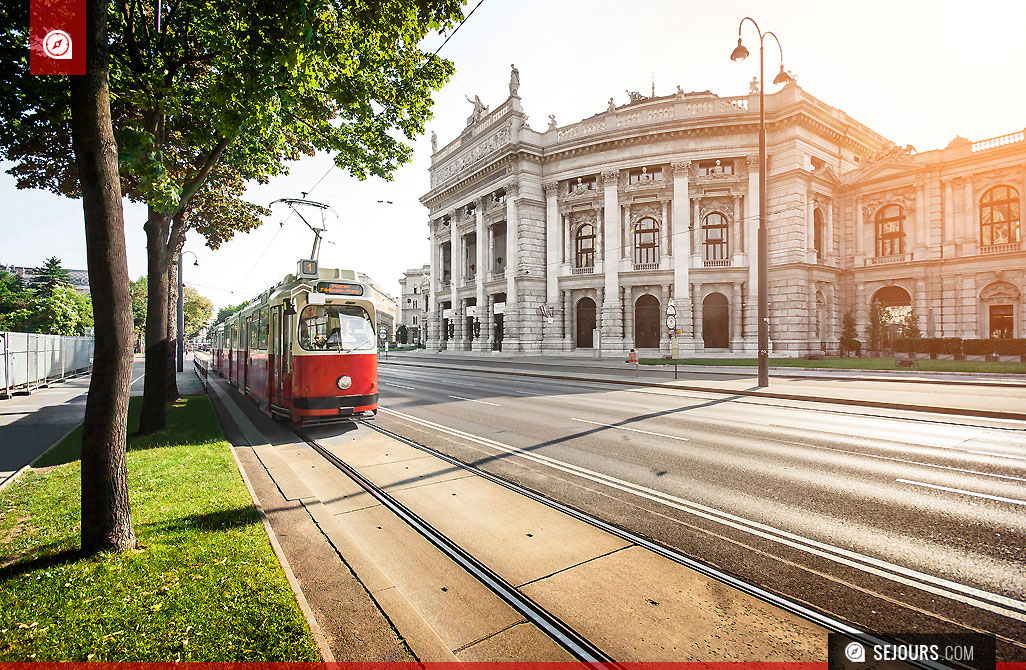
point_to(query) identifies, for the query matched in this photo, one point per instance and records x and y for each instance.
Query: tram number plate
(339, 288)
(345, 411)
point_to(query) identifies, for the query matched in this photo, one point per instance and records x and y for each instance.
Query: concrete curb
(987, 414)
(315, 629)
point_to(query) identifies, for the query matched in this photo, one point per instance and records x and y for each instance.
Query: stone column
(828, 245)
(600, 239)
(628, 325)
(948, 241)
(810, 228)
(626, 241)
(490, 261)
(567, 226)
(812, 315)
(433, 289)
(752, 235)
(857, 233)
(736, 343)
(459, 318)
(612, 340)
(735, 232)
(553, 244)
(568, 322)
(832, 330)
(664, 234)
(921, 238)
(510, 319)
(969, 223)
(682, 253)
(455, 280)
(480, 343)
(696, 298)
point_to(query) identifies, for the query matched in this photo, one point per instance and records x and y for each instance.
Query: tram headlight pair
(344, 382)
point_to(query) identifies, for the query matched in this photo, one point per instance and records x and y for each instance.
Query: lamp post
(738, 55)
(181, 309)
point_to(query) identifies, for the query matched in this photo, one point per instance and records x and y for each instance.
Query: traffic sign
(671, 310)
(671, 322)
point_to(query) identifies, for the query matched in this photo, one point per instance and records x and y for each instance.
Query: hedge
(956, 346)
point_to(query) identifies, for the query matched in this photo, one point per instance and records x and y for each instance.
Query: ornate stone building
(579, 236)
(413, 300)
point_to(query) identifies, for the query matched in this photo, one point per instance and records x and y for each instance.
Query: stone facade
(577, 238)
(413, 303)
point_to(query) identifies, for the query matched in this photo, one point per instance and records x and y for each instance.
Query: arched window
(999, 216)
(585, 256)
(714, 233)
(646, 241)
(890, 231)
(819, 234)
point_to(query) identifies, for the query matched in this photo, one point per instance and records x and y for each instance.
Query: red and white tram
(305, 349)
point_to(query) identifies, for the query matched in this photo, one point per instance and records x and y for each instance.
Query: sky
(917, 72)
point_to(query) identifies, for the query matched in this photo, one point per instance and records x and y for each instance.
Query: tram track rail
(569, 639)
(829, 623)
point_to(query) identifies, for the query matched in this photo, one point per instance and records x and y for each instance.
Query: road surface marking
(132, 383)
(483, 402)
(400, 386)
(994, 453)
(526, 392)
(634, 430)
(968, 493)
(970, 595)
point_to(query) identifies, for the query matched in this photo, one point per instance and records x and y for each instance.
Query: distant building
(413, 303)
(79, 278)
(578, 236)
(385, 306)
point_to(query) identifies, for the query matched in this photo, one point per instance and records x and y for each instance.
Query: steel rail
(830, 623)
(577, 645)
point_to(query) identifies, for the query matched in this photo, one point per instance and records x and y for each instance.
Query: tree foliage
(849, 333)
(50, 276)
(875, 328)
(47, 305)
(198, 311)
(225, 312)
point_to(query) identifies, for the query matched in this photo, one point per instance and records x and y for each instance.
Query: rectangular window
(719, 167)
(645, 175)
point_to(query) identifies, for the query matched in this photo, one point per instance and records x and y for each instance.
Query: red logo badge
(57, 41)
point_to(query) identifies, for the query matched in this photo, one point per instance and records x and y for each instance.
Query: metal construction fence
(29, 360)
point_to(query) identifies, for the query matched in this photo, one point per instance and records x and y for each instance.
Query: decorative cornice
(904, 197)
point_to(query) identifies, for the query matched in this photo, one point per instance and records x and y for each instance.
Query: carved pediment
(905, 197)
(1000, 291)
(649, 209)
(581, 218)
(722, 204)
(1011, 176)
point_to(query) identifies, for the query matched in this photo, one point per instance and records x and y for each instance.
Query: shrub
(949, 345)
(980, 347)
(1010, 346)
(905, 345)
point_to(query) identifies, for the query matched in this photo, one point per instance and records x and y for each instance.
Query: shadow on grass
(43, 558)
(190, 420)
(211, 521)
(38, 562)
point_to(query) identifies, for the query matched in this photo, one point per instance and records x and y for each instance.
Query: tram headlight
(344, 382)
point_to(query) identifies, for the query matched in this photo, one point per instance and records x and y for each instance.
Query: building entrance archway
(646, 322)
(715, 321)
(585, 323)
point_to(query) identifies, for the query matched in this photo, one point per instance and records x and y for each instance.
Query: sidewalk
(989, 398)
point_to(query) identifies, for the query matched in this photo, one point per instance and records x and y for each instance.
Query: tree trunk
(153, 418)
(172, 327)
(106, 512)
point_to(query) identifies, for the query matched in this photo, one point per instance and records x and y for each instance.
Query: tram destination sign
(339, 288)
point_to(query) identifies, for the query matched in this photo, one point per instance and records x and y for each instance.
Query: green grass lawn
(204, 584)
(866, 363)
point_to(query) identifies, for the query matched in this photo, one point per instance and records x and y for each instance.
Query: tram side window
(252, 326)
(262, 331)
(342, 327)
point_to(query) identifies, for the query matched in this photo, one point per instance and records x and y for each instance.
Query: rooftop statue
(611, 107)
(635, 96)
(552, 121)
(514, 81)
(434, 142)
(480, 109)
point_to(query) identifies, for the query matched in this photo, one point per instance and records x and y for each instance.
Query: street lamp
(181, 309)
(739, 54)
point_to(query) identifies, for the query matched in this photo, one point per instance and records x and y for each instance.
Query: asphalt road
(893, 522)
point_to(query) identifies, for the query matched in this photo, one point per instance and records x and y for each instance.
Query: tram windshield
(335, 327)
